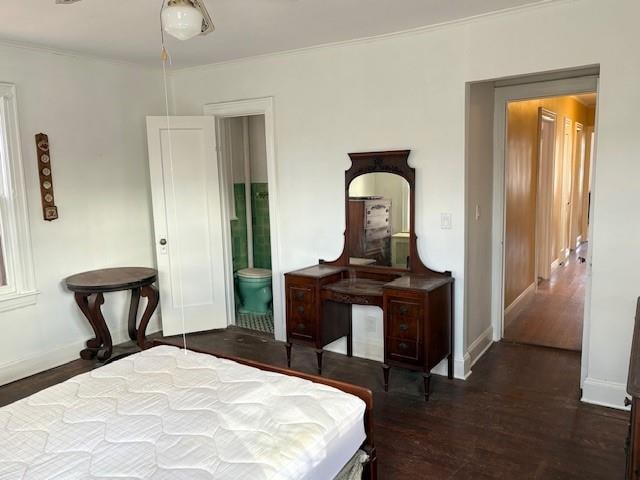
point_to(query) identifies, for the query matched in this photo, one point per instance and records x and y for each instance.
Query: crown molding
(78, 55)
(540, 4)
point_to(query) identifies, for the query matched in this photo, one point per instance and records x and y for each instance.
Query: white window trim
(20, 290)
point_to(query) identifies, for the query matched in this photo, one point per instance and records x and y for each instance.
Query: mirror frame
(395, 162)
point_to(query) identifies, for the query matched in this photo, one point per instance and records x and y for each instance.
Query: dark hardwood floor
(554, 316)
(518, 416)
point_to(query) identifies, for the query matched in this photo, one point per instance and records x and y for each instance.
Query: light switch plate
(445, 221)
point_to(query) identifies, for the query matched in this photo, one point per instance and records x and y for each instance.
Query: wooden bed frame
(371, 468)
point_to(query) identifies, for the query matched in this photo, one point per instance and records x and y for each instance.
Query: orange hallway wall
(521, 182)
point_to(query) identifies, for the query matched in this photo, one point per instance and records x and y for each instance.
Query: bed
(168, 413)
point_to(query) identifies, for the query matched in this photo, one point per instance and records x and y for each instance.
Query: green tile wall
(261, 229)
(239, 230)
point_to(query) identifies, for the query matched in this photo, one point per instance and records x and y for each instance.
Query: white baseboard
(27, 366)
(480, 345)
(461, 367)
(516, 307)
(604, 393)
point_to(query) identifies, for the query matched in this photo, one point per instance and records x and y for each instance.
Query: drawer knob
(403, 346)
(299, 295)
(404, 327)
(403, 309)
(301, 326)
(300, 309)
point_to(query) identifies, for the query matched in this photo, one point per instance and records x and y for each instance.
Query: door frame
(504, 95)
(544, 196)
(242, 108)
(579, 136)
(568, 143)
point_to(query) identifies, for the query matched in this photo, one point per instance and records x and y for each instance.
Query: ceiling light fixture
(185, 19)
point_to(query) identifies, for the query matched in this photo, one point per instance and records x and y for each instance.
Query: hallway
(554, 316)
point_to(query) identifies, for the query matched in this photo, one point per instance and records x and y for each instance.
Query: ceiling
(587, 99)
(128, 30)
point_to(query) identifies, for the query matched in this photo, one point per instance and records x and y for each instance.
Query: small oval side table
(89, 288)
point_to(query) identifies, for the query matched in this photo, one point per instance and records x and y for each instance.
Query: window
(17, 280)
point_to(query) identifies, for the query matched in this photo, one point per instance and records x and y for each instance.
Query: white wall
(479, 193)
(237, 147)
(93, 112)
(408, 91)
(258, 149)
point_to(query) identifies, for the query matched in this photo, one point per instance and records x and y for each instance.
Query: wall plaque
(49, 209)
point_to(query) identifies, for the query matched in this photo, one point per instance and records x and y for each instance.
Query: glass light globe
(182, 21)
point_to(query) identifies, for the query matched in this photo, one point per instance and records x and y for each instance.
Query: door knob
(163, 241)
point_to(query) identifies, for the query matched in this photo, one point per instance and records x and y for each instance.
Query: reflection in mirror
(3, 271)
(378, 220)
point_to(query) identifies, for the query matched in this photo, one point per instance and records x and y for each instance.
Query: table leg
(426, 376)
(153, 296)
(93, 344)
(133, 313)
(287, 345)
(319, 353)
(350, 337)
(385, 373)
(95, 303)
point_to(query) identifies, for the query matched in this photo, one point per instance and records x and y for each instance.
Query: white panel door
(185, 189)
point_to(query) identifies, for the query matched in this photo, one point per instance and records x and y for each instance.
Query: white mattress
(164, 414)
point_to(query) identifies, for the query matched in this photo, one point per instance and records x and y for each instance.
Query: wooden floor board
(518, 416)
(553, 318)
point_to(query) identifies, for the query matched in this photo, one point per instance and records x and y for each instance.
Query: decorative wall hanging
(49, 209)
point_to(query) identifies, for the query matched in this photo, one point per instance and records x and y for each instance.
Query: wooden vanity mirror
(380, 213)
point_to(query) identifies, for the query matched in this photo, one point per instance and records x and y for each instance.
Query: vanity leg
(288, 347)
(350, 339)
(426, 376)
(450, 366)
(385, 372)
(319, 352)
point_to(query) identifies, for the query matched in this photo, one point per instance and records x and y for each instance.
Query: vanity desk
(416, 301)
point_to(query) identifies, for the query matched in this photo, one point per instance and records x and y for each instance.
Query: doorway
(246, 160)
(546, 227)
(243, 151)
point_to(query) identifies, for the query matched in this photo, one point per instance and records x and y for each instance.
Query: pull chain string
(167, 58)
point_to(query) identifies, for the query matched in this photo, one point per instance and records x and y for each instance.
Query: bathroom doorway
(243, 125)
(243, 154)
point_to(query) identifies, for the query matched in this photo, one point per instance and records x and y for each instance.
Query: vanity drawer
(301, 311)
(381, 221)
(377, 210)
(405, 319)
(403, 350)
